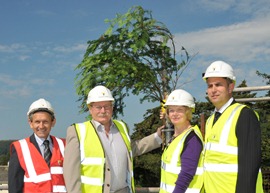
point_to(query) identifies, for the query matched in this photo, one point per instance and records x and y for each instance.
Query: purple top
(189, 161)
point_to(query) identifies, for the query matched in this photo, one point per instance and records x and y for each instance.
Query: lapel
(33, 140)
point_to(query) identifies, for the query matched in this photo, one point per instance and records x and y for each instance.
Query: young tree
(135, 55)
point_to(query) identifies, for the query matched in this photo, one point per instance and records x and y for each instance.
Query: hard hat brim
(40, 110)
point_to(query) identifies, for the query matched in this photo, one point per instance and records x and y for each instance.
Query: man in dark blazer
(27, 164)
(232, 156)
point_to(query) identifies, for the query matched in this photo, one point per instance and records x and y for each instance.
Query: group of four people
(97, 155)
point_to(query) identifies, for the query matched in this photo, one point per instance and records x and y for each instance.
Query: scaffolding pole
(253, 88)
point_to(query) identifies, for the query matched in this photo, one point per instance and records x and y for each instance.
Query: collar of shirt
(100, 128)
(222, 109)
(40, 142)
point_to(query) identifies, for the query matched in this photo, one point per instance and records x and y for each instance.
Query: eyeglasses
(177, 111)
(106, 107)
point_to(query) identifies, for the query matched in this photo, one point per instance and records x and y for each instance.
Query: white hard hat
(219, 69)
(180, 97)
(99, 93)
(40, 105)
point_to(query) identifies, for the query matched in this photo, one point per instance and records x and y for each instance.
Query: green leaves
(136, 54)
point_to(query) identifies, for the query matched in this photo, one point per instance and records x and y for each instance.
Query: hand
(162, 114)
(159, 131)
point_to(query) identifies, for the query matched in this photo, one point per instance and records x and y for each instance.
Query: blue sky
(41, 42)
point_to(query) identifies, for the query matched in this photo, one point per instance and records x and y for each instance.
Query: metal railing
(254, 88)
(147, 190)
(138, 190)
(3, 187)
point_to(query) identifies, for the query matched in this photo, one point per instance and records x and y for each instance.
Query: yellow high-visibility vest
(93, 157)
(221, 153)
(171, 165)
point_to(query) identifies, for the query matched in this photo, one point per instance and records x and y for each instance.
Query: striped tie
(47, 152)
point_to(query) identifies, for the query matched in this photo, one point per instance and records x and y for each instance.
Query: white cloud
(15, 92)
(45, 13)
(81, 13)
(240, 42)
(22, 86)
(73, 48)
(217, 4)
(41, 82)
(15, 47)
(252, 7)
(23, 57)
(46, 53)
(247, 7)
(8, 80)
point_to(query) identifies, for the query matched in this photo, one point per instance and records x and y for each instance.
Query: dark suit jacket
(248, 135)
(15, 171)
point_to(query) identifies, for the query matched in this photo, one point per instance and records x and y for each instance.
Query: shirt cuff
(158, 139)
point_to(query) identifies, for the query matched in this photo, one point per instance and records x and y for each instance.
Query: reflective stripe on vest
(56, 170)
(88, 161)
(223, 147)
(176, 170)
(221, 167)
(58, 188)
(33, 177)
(92, 181)
(170, 188)
(61, 145)
(43, 177)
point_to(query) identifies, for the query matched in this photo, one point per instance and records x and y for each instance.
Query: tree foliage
(263, 109)
(135, 55)
(244, 94)
(4, 151)
(266, 77)
(265, 104)
(4, 159)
